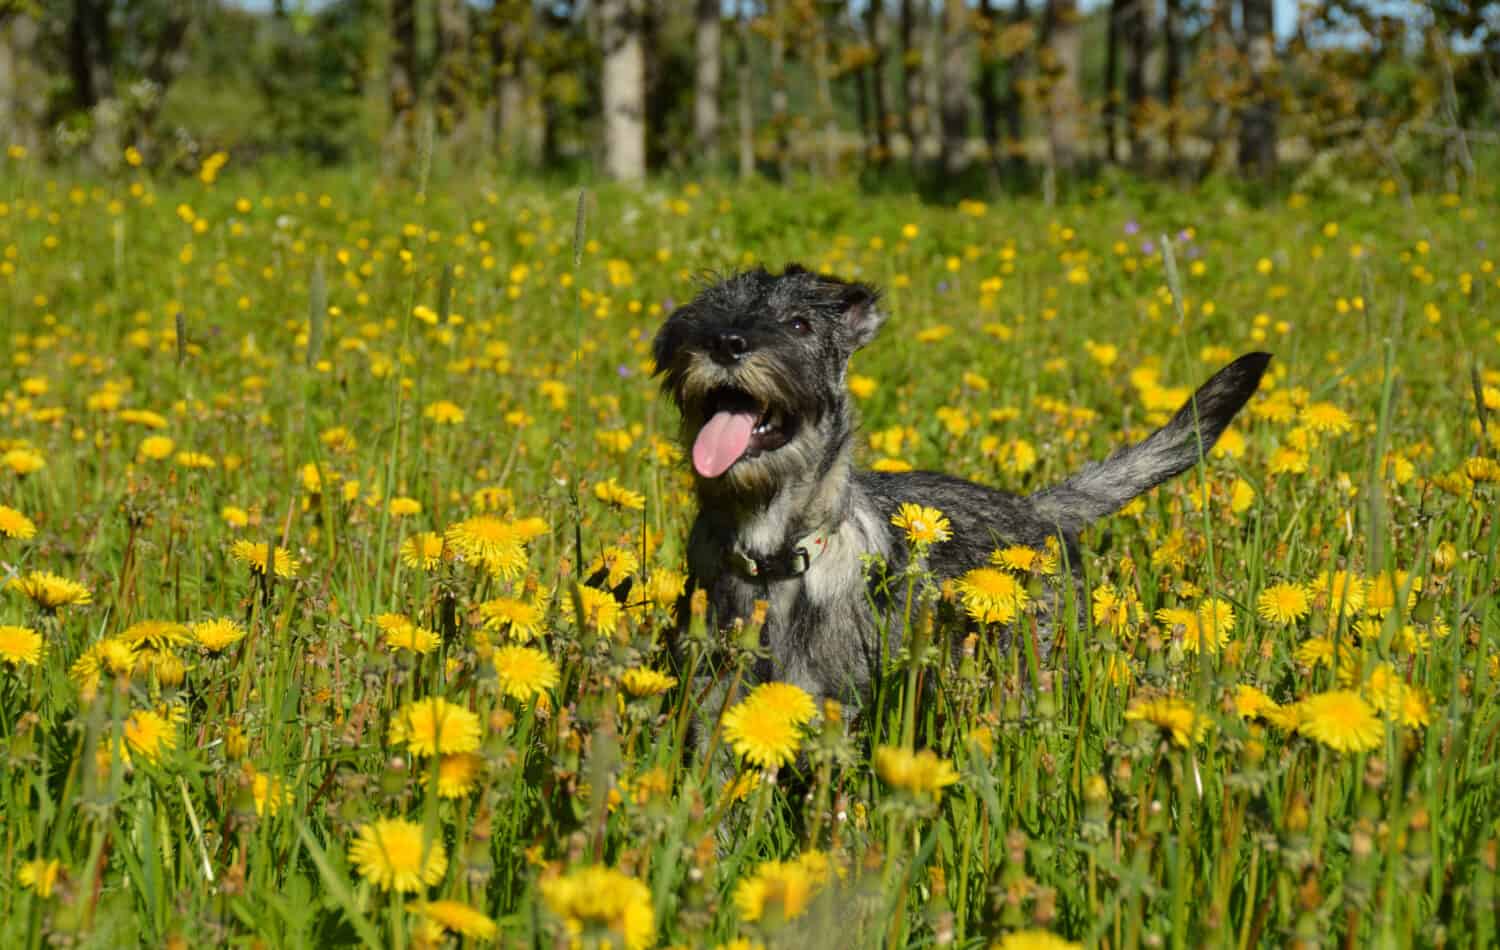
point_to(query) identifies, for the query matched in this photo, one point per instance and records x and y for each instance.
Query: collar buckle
(793, 564)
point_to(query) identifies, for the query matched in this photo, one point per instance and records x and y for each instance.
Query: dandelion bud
(1296, 818)
(1445, 556)
(236, 744)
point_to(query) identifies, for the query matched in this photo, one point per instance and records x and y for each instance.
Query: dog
(757, 365)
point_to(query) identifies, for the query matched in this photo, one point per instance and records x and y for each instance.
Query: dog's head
(756, 363)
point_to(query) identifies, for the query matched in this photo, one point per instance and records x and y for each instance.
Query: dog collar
(776, 567)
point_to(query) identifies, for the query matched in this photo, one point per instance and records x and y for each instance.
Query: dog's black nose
(730, 347)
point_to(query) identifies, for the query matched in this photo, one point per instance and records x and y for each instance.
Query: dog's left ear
(669, 338)
(862, 314)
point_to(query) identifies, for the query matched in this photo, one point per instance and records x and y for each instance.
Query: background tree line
(927, 91)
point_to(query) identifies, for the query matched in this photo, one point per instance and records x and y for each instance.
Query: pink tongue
(721, 441)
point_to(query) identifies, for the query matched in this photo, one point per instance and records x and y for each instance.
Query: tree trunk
(1112, 80)
(624, 93)
(1065, 50)
(507, 37)
(1258, 119)
(1014, 102)
(823, 82)
(707, 67)
(745, 93)
(876, 25)
(1171, 79)
(957, 75)
(1135, 26)
(989, 105)
(453, 71)
(913, 86)
(401, 79)
(779, 118)
(1221, 89)
(22, 83)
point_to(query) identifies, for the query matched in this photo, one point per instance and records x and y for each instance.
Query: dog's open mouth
(738, 426)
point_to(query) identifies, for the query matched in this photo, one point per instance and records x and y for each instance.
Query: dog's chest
(820, 632)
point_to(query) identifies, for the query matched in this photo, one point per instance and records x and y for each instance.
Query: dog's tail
(1105, 487)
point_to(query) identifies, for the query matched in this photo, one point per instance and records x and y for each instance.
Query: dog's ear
(862, 314)
(669, 338)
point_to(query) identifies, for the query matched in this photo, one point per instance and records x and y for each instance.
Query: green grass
(1044, 336)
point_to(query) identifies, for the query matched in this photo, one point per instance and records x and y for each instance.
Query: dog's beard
(790, 425)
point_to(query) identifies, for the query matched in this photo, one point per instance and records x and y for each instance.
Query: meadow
(342, 524)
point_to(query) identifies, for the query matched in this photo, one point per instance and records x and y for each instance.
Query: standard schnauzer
(757, 365)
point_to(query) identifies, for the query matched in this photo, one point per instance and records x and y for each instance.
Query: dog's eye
(799, 325)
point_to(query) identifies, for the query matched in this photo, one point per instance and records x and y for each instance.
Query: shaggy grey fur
(779, 345)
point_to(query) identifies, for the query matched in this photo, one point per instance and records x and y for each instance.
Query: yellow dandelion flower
(217, 635)
(434, 726)
(1482, 470)
(1339, 591)
(765, 729)
(991, 596)
(615, 564)
(1384, 588)
(109, 655)
(40, 875)
(614, 494)
(1241, 496)
(155, 634)
(269, 792)
(520, 620)
(389, 622)
(1286, 718)
(1251, 703)
(1315, 651)
(1287, 460)
(1209, 625)
(457, 774)
(1283, 603)
(412, 637)
(525, 672)
(402, 507)
(921, 774)
(1342, 721)
(665, 586)
(23, 461)
(1325, 418)
(1112, 609)
(198, 460)
(13, 524)
(423, 551)
(392, 854)
(600, 610)
(444, 413)
(495, 544)
(19, 645)
(459, 918)
(922, 525)
(786, 888)
(1415, 711)
(1025, 560)
(1033, 940)
(609, 906)
(51, 592)
(155, 448)
(234, 517)
(253, 556)
(1172, 715)
(642, 681)
(148, 734)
